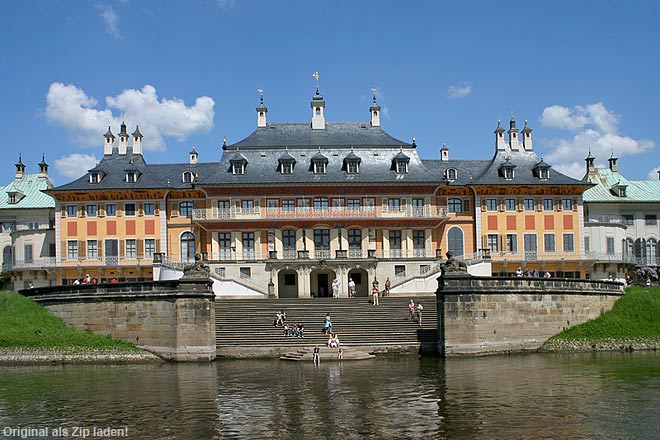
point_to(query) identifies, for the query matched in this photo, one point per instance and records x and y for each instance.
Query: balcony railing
(576, 256)
(310, 212)
(29, 264)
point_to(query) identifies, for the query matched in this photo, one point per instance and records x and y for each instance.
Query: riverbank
(29, 334)
(632, 324)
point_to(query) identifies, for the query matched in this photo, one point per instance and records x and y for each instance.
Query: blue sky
(584, 73)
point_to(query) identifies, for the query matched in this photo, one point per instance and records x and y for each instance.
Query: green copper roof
(606, 179)
(28, 193)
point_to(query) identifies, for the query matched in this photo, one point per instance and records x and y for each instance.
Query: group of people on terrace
(533, 274)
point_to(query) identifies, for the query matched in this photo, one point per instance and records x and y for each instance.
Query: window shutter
(100, 249)
(122, 248)
(484, 241)
(82, 248)
(501, 239)
(174, 212)
(139, 251)
(157, 247)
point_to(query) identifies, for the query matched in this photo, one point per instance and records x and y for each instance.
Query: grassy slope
(26, 324)
(636, 315)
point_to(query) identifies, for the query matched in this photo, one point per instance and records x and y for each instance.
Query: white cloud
(111, 19)
(595, 129)
(75, 165)
(225, 4)
(459, 91)
(653, 174)
(70, 107)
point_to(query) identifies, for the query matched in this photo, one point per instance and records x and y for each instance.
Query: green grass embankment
(24, 324)
(634, 317)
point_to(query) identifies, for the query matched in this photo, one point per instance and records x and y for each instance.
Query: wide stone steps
(249, 322)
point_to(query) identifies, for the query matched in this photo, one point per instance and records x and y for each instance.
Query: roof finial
(224, 141)
(316, 77)
(261, 94)
(373, 91)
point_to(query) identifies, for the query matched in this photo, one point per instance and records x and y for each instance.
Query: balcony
(427, 212)
(39, 263)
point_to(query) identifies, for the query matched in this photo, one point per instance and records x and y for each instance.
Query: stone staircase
(244, 327)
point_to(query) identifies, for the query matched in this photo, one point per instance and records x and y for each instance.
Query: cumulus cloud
(111, 19)
(75, 165)
(459, 91)
(70, 107)
(595, 129)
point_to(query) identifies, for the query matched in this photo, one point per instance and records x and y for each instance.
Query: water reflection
(610, 395)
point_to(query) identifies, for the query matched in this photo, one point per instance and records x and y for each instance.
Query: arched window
(451, 174)
(186, 209)
(455, 205)
(187, 247)
(639, 250)
(455, 241)
(187, 177)
(7, 259)
(651, 248)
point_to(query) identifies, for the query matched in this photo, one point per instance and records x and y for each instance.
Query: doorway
(323, 286)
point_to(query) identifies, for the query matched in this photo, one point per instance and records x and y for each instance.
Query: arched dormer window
(451, 174)
(319, 163)
(352, 163)
(400, 163)
(507, 170)
(286, 163)
(238, 164)
(132, 176)
(187, 177)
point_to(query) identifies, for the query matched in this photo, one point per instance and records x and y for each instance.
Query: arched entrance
(187, 247)
(455, 241)
(361, 279)
(320, 283)
(287, 284)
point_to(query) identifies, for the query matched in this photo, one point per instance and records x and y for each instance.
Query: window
(149, 247)
(352, 167)
(94, 178)
(566, 204)
(369, 204)
(322, 242)
(354, 205)
(622, 191)
(12, 198)
(248, 246)
(92, 249)
(394, 205)
(149, 208)
(455, 241)
(224, 209)
(587, 245)
(628, 219)
(71, 210)
(455, 205)
(401, 167)
(272, 205)
(338, 205)
(245, 272)
(238, 168)
(72, 249)
(289, 243)
(508, 173)
(319, 167)
(395, 244)
(529, 204)
(609, 245)
(187, 177)
(91, 210)
(548, 205)
(650, 220)
(549, 243)
(131, 177)
(131, 248)
(224, 243)
(286, 167)
(321, 204)
(354, 243)
(493, 242)
(568, 243)
(129, 209)
(510, 204)
(544, 173)
(111, 210)
(512, 243)
(27, 249)
(186, 209)
(247, 206)
(399, 270)
(187, 243)
(418, 207)
(451, 174)
(491, 204)
(288, 205)
(303, 205)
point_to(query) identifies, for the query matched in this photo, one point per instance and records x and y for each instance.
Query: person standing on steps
(327, 325)
(335, 288)
(411, 309)
(388, 284)
(374, 295)
(351, 288)
(420, 308)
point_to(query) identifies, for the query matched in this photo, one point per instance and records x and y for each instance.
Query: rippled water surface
(578, 396)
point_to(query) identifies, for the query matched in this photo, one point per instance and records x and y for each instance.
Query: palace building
(293, 206)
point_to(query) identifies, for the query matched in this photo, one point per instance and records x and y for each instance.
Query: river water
(535, 396)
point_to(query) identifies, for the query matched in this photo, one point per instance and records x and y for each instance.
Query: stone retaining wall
(493, 315)
(173, 319)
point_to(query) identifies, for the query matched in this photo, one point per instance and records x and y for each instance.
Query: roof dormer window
(619, 190)
(508, 173)
(400, 163)
(319, 167)
(96, 176)
(187, 177)
(238, 168)
(544, 174)
(12, 199)
(542, 170)
(452, 174)
(286, 163)
(132, 176)
(507, 170)
(352, 163)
